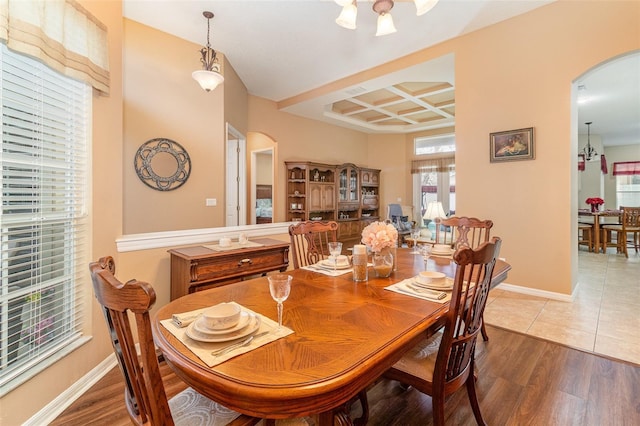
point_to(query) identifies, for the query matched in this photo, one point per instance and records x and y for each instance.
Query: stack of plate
(342, 263)
(442, 250)
(433, 281)
(248, 323)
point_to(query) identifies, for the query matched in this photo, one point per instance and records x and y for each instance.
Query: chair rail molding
(151, 240)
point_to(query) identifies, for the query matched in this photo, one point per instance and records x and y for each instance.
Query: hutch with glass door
(345, 193)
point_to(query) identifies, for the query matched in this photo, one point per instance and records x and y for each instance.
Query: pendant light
(209, 78)
(589, 152)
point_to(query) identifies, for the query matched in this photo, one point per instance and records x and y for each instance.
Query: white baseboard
(539, 293)
(52, 410)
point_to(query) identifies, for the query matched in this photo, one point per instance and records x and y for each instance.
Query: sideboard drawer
(198, 267)
(236, 264)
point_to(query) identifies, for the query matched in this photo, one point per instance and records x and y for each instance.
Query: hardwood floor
(522, 380)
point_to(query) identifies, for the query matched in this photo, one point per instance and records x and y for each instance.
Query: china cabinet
(345, 193)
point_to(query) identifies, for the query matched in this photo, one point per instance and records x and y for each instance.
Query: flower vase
(595, 207)
(382, 263)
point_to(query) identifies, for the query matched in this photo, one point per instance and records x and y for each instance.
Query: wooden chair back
(630, 217)
(463, 322)
(145, 396)
(462, 231)
(309, 241)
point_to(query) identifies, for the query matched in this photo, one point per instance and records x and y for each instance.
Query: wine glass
(425, 251)
(335, 248)
(279, 287)
(415, 234)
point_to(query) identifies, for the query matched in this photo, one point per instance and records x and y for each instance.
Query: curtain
(442, 164)
(603, 165)
(61, 34)
(626, 168)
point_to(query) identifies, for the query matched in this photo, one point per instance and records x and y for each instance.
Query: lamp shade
(347, 18)
(385, 25)
(423, 6)
(434, 210)
(208, 80)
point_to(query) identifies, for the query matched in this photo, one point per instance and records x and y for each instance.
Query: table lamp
(434, 210)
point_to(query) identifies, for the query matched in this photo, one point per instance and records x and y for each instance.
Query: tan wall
(23, 402)
(518, 74)
(236, 99)
(162, 100)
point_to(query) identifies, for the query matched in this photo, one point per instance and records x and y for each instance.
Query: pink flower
(379, 235)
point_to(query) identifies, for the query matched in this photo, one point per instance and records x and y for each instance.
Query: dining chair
(441, 364)
(585, 235)
(463, 232)
(629, 225)
(145, 396)
(309, 241)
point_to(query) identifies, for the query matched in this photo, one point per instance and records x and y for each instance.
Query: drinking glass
(425, 251)
(415, 234)
(279, 287)
(335, 248)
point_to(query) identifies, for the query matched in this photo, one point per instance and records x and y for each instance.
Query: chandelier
(209, 78)
(589, 152)
(347, 18)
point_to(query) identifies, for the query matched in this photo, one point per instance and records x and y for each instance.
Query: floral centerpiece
(595, 203)
(380, 235)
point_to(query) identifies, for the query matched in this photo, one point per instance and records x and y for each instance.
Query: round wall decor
(162, 164)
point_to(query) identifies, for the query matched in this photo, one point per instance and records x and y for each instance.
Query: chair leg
(483, 330)
(473, 399)
(437, 401)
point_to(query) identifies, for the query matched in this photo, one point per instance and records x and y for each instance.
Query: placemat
(401, 287)
(203, 349)
(233, 246)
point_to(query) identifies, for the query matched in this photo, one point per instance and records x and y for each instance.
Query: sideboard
(198, 268)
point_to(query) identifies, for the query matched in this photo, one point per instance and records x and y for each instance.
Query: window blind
(43, 214)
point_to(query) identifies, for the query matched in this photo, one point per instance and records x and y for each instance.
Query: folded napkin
(403, 287)
(233, 246)
(327, 270)
(203, 349)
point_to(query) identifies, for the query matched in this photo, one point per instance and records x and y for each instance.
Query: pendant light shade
(423, 6)
(347, 18)
(385, 25)
(209, 77)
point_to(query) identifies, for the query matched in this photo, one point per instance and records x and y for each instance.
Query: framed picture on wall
(512, 145)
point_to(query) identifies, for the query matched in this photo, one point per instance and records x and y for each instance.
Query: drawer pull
(249, 261)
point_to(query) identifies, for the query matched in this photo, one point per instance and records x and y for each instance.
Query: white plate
(254, 324)
(329, 264)
(446, 285)
(442, 252)
(200, 327)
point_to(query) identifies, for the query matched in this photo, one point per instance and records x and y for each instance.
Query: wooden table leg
(596, 231)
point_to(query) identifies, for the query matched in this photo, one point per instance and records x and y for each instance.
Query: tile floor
(604, 318)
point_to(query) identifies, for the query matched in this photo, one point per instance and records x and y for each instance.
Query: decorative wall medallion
(162, 164)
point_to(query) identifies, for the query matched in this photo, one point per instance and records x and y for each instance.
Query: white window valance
(441, 164)
(60, 33)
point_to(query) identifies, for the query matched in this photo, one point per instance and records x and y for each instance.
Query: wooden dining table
(345, 336)
(596, 224)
